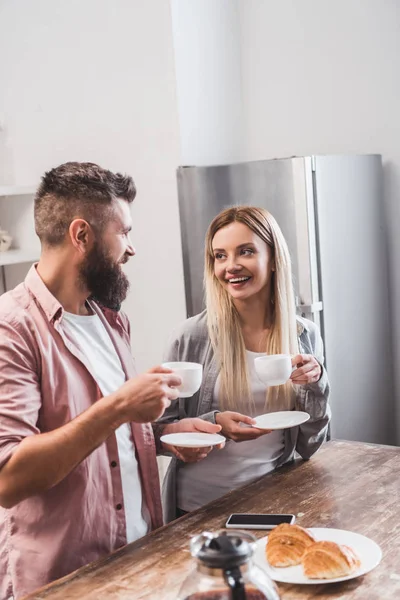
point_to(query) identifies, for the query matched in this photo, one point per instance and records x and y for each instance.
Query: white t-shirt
(92, 338)
(236, 464)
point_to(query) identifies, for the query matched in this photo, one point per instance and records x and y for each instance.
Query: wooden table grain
(346, 485)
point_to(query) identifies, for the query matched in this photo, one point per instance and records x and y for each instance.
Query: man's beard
(107, 283)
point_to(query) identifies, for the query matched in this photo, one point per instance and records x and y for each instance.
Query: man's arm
(41, 461)
(33, 462)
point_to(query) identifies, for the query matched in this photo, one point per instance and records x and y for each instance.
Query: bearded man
(78, 470)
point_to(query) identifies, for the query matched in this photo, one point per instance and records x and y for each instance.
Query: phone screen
(263, 520)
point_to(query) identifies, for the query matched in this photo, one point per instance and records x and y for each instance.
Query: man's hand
(232, 428)
(308, 369)
(41, 461)
(191, 455)
(144, 398)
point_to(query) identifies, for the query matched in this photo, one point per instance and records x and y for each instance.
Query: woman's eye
(218, 255)
(247, 251)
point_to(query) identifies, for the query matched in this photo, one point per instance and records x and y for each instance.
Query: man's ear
(81, 235)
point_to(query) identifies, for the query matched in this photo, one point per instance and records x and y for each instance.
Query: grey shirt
(191, 343)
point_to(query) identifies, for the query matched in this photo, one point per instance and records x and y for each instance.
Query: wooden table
(347, 485)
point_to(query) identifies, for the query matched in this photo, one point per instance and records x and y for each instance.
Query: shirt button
(113, 463)
(119, 506)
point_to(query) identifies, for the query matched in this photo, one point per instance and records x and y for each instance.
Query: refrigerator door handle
(310, 308)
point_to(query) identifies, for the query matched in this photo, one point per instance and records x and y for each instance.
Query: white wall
(93, 80)
(209, 86)
(322, 77)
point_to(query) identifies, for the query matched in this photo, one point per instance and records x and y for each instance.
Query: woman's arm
(313, 397)
(179, 419)
(183, 408)
(177, 410)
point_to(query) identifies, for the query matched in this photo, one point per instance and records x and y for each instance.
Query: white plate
(192, 440)
(281, 420)
(367, 551)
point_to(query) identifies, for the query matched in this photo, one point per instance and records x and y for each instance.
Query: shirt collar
(50, 305)
(112, 316)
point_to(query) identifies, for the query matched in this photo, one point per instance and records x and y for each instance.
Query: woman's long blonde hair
(223, 320)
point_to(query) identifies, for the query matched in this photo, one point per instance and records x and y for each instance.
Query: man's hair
(77, 190)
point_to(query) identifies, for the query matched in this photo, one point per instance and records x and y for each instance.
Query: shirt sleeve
(314, 399)
(20, 395)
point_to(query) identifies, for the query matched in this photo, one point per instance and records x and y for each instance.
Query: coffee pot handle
(234, 580)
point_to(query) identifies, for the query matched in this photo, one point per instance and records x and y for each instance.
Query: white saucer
(192, 440)
(366, 549)
(281, 420)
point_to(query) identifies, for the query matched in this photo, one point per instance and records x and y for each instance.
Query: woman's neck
(255, 316)
(255, 313)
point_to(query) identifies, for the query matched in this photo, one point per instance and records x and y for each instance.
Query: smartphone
(253, 521)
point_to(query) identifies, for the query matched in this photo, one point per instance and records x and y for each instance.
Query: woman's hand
(308, 369)
(191, 455)
(231, 426)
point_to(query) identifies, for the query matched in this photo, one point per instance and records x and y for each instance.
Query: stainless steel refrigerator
(330, 209)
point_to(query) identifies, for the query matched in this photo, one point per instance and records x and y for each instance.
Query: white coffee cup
(191, 374)
(274, 369)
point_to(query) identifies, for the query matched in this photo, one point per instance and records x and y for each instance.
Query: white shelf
(17, 190)
(15, 257)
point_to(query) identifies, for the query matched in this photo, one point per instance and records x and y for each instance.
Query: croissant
(287, 544)
(327, 560)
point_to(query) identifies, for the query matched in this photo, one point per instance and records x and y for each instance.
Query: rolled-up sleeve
(20, 397)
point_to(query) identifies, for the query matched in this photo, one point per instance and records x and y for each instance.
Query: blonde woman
(250, 311)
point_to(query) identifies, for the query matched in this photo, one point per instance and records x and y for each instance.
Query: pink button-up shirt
(45, 382)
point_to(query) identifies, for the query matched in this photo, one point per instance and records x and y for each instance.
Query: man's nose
(130, 249)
